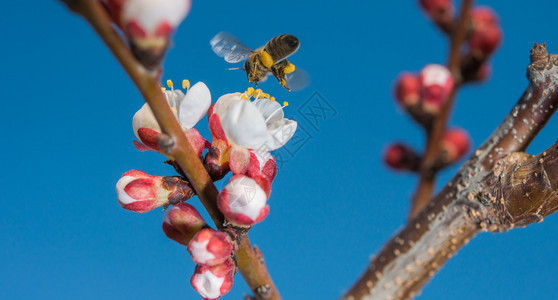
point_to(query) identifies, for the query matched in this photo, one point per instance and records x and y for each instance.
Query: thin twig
(182, 152)
(427, 173)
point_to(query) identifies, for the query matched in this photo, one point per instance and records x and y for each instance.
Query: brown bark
(497, 189)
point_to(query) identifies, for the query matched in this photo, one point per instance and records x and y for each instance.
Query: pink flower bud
(440, 11)
(433, 7)
(486, 32)
(212, 282)
(436, 85)
(455, 144)
(181, 222)
(407, 89)
(210, 247)
(140, 192)
(148, 25)
(243, 201)
(401, 157)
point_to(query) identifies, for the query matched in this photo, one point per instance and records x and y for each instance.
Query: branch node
(166, 143)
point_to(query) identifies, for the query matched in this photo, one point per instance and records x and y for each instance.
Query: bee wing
(297, 80)
(229, 47)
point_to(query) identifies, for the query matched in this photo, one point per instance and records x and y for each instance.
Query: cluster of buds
(148, 25)
(211, 250)
(423, 95)
(453, 146)
(244, 131)
(484, 35)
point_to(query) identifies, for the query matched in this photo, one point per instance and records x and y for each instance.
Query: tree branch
(497, 189)
(178, 147)
(435, 134)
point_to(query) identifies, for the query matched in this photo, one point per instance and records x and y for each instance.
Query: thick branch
(488, 193)
(178, 147)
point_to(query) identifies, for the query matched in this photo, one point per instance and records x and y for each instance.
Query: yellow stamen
(250, 91)
(163, 89)
(186, 84)
(272, 98)
(264, 95)
(244, 96)
(169, 83)
(286, 103)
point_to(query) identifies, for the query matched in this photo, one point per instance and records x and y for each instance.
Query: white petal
(144, 118)
(246, 197)
(194, 105)
(271, 110)
(121, 195)
(208, 285)
(280, 135)
(199, 251)
(224, 101)
(243, 123)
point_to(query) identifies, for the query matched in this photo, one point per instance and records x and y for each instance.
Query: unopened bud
(210, 247)
(436, 85)
(212, 282)
(455, 144)
(181, 222)
(401, 157)
(486, 33)
(140, 192)
(243, 201)
(440, 11)
(407, 89)
(148, 25)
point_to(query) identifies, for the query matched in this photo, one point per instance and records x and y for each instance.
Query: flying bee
(271, 58)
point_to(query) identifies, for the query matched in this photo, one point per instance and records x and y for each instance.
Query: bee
(269, 59)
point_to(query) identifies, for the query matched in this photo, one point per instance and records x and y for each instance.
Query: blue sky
(67, 111)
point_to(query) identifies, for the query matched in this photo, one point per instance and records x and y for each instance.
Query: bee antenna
(229, 69)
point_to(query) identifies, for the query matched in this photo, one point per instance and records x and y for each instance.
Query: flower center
(174, 97)
(260, 95)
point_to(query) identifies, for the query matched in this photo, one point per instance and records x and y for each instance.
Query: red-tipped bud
(486, 32)
(484, 72)
(140, 192)
(434, 6)
(181, 222)
(212, 282)
(243, 201)
(148, 25)
(436, 85)
(455, 144)
(210, 247)
(401, 157)
(407, 89)
(440, 11)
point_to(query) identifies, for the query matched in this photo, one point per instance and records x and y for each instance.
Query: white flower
(258, 124)
(188, 109)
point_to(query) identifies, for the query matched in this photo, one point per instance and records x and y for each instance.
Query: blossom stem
(148, 85)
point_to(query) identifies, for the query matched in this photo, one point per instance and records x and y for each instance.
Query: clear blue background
(66, 118)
